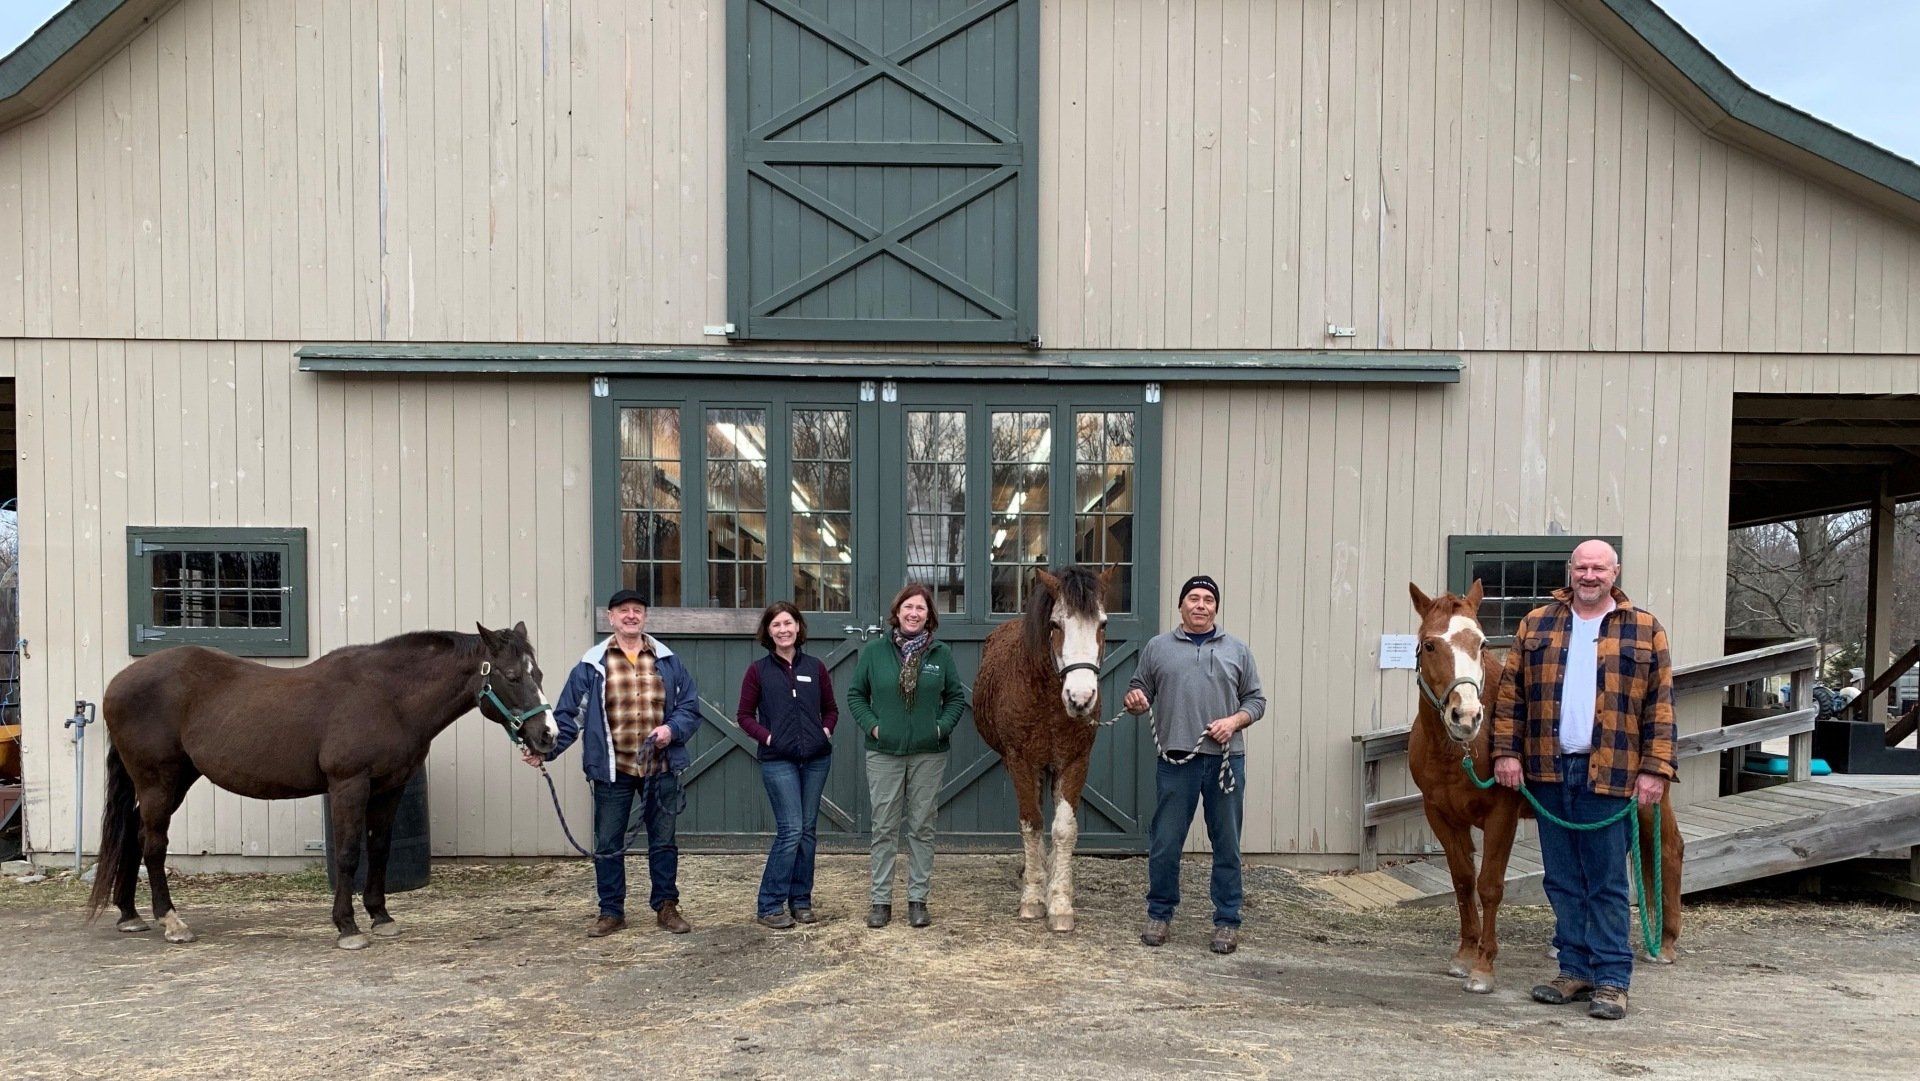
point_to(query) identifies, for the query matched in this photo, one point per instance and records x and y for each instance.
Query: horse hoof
(1458, 970)
(1032, 910)
(388, 929)
(177, 929)
(1668, 954)
(133, 925)
(1060, 921)
(1478, 985)
(354, 942)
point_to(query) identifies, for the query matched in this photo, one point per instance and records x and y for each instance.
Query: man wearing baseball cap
(1203, 688)
(640, 708)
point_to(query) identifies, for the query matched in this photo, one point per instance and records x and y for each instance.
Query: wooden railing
(1799, 659)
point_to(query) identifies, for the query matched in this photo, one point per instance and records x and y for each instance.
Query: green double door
(719, 498)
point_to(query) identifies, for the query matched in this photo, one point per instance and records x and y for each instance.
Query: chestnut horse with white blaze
(1458, 679)
(1036, 702)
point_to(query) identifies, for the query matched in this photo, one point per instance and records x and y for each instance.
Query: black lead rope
(646, 784)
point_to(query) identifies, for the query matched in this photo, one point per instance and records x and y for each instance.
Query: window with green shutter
(881, 176)
(240, 589)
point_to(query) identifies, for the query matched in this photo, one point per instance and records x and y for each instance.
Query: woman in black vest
(786, 705)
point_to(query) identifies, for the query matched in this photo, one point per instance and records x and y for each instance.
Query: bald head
(1592, 550)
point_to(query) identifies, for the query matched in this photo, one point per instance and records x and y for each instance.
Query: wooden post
(1880, 524)
(1369, 834)
(1800, 744)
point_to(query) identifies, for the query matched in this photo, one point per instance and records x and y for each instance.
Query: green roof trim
(1740, 101)
(65, 49)
(1060, 366)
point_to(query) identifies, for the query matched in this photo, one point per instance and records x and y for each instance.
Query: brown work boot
(607, 925)
(1225, 939)
(1609, 1003)
(1561, 990)
(1154, 933)
(669, 919)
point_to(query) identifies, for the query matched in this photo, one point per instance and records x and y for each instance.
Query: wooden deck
(1731, 839)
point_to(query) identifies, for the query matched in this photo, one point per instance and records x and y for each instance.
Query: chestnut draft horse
(1454, 673)
(354, 724)
(1036, 702)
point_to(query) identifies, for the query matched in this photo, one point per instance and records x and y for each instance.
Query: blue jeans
(1197, 780)
(1586, 878)
(614, 813)
(794, 790)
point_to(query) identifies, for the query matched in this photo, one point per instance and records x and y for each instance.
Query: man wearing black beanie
(1203, 688)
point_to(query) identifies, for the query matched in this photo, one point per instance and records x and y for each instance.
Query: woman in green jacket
(906, 696)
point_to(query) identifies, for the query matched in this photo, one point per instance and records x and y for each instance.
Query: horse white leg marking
(1032, 894)
(1066, 833)
(177, 929)
(132, 925)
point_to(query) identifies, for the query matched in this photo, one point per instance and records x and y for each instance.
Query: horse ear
(1475, 594)
(1047, 578)
(520, 630)
(1110, 574)
(1421, 602)
(490, 639)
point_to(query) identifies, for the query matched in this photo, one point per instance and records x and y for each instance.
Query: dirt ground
(494, 977)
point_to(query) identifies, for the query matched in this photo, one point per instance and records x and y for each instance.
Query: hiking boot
(779, 921)
(607, 925)
(1226, 939)
(917, 914)
(1609, 1003)
(670, 921)
(879, 915)
(803, 915)
(1561, 990)
(1154, 933)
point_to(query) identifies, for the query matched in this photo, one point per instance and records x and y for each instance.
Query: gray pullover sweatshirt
(1192, 685)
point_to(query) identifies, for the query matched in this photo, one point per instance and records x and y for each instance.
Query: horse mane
(464, 646)
(1080, 590)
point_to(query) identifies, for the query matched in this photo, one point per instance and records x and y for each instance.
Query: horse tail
(119, 835)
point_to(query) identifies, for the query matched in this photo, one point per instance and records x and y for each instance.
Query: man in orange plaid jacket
(1585, 713)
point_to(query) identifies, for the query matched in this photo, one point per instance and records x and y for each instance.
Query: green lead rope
(1651, 915)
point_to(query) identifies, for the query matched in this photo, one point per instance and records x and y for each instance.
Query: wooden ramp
(1731, 839)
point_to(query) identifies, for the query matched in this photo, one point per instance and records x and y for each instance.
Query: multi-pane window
(1022, 448)
(937, 504)
(651, 502)
(1518, 574)
(736, 508)
(240, 589)
(822, 502)
(1104, 483)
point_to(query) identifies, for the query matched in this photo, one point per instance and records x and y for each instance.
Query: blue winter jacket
(586, 693)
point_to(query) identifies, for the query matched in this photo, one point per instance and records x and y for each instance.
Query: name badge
(804, 679)
(929, 668)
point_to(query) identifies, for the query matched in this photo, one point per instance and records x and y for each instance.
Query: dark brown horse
(1036, 702)
(354, 724)
(1458, 678)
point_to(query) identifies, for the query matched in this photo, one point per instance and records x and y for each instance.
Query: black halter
(1079, 666)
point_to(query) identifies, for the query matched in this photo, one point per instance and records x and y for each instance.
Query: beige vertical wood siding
(1315, 505)
(428, 503)
(1437, 174)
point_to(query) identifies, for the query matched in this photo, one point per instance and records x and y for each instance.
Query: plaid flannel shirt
(1633, 706)
(636, 704)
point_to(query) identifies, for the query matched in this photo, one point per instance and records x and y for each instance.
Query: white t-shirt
(1580, 687)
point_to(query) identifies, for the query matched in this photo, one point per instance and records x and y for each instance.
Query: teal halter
(516, 720)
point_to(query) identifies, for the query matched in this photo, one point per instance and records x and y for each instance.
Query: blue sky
(1848, 62)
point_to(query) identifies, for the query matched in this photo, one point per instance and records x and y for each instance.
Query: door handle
(865, 633)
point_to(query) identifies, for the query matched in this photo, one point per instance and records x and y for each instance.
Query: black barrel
(408, 862)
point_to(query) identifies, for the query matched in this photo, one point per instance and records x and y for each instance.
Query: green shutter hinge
(142, 547)
(144, 633)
